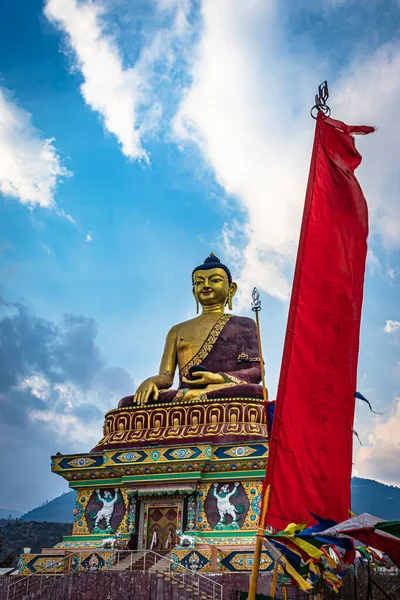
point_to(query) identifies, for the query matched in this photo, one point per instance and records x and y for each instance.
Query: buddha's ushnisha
(216, 353)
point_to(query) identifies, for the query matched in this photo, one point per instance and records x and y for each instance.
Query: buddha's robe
(230, 349)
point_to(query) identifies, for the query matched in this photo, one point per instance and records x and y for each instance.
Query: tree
(8, 560)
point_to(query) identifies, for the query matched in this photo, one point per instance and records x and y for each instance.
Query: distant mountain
(58, 510)
(367, 496)
(375, 498)
(6, 513)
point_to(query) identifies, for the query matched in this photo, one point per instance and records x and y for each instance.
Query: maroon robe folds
(231, 349)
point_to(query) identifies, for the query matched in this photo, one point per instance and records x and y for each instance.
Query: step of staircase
(170, 587)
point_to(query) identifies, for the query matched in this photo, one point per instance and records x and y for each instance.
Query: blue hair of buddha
(212, 262)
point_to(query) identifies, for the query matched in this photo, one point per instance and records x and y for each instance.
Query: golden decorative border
(207, 452)
(173, 404)
(193, 420)
(241, 556)
(207, 346)
(223, 466)
(43, 559)
(256, 430)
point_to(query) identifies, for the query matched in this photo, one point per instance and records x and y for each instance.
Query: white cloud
(123, 96)
(373, 262)
(364, 94)
(108, 88)
(381, 459)
(30, 166)
(391, 326)
(69, 427)
(393, 272)
(47, 249)
(67, 411)
(63, 214)
(38, 386)
(88, 238)
(258, 152)
(256, 135)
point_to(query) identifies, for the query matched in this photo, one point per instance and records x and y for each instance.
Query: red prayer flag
(310, 451)
(380, 540)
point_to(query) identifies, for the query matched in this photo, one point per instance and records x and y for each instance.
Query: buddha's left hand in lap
(202, 379)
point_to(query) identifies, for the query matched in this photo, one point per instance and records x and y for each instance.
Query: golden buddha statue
(216, 353)
(219, 399)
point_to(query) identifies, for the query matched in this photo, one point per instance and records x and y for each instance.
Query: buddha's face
(211, 286)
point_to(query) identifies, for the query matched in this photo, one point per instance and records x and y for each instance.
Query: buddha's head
(212, 283)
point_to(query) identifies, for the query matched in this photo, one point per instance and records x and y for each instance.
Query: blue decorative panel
(182, 453)
(81, 462)
(194, 561)
(243, 561)
(129, 456)
(94, 562)
(241, 451)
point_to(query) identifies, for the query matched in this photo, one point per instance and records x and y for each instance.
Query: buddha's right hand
(145, 390)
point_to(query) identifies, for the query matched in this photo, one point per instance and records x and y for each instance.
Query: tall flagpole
(320, 105)
(256, 307)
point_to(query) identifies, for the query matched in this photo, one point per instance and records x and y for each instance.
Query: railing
(40, 580)
(123, 560)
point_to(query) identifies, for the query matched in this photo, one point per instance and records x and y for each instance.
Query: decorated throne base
(209, 492)
(213, 420)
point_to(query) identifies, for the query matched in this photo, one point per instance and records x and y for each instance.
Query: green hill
(375, 498)
(58, 510)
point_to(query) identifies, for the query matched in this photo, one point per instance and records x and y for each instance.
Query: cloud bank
(257, 153)
(55, 388)
(246, 111)
(30, 167)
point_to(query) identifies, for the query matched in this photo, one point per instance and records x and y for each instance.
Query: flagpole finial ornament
(256, 304)
(320, 101)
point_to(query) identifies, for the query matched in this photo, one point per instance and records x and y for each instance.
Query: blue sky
(136, 137)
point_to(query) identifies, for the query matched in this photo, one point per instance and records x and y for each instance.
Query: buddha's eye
(198, 282)
(216, 280)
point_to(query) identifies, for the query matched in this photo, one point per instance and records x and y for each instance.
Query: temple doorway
(162, 526)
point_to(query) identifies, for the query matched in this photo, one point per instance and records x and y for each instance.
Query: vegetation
(8, 559)
(17, 535)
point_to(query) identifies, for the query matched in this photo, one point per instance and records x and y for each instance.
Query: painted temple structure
(179, 471)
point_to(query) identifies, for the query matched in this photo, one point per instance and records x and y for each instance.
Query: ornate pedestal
(195, 468)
